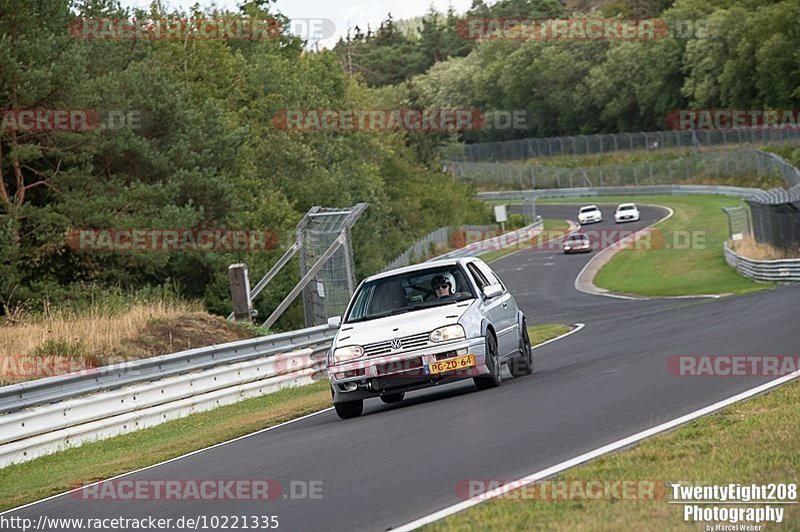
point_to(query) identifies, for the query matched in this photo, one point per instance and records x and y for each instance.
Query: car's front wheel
(492, 379)
(390, 398)
(523, 364)
(349, 409)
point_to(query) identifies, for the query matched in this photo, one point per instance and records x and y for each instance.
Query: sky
(342, 13)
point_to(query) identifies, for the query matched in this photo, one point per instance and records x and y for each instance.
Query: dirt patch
(187, 331)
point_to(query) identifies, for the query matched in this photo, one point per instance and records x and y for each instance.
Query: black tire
(523, 364)
(390, 398)
(349, 409)
(492, 379)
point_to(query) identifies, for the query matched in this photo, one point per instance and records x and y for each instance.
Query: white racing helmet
(447, 277)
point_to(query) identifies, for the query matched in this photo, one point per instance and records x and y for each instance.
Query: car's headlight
(351, 352)
(444, 334)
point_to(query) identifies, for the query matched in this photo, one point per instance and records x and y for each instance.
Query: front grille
(414, 341)
(400, 380)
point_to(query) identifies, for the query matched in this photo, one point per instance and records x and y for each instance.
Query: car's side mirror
(334, 322)
(492, 290)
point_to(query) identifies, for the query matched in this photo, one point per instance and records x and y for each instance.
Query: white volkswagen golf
(425, 325)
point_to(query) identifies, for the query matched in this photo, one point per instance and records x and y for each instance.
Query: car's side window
(479, 278)
(489, 275)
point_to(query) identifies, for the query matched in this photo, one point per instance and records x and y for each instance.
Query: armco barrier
(587, 192)
(48, 415)
(494, 243)
(41, 430)
(61, 387)
(783, 270)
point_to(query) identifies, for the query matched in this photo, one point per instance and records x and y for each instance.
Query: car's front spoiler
(403, 372)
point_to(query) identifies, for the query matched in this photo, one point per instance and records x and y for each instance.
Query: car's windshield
(626, 207)
(408, 292)
(577, 238)
(588, 209)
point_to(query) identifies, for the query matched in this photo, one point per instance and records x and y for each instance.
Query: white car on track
(626, 212)
(425, 325)
(589, 214)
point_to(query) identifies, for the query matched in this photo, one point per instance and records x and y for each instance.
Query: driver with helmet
(442, 285)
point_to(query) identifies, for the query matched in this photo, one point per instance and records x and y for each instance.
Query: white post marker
(501, 215)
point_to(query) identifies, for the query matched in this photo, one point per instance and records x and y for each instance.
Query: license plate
(451, 364)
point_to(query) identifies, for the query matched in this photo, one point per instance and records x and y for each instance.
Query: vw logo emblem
(397, 343)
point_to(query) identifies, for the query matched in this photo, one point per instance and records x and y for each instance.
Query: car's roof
(626, 205)
(587, 207)
(576, 236)
(422, 266)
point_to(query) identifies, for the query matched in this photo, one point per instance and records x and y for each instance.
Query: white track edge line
(450, 510)
(168, 460)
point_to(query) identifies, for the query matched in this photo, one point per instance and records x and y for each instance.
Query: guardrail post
(240, 292)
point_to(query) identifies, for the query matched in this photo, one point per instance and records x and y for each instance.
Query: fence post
(240, 292)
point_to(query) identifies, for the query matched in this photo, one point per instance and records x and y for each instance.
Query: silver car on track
(425, 325)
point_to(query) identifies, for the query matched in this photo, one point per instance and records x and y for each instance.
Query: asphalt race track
(400, 462)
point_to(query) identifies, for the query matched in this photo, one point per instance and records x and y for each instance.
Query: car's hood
(400, 325)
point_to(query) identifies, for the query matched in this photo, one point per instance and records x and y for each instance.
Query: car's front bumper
(397, 373)
(590, 219)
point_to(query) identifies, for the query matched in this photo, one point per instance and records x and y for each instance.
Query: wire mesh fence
(592, 144)
(745, 162)
(331, 288)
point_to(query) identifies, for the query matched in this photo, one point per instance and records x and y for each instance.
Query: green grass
(549, 228)
(546, 331)
(752, 442)
(56, 473)
(666, 268)
(617, 157)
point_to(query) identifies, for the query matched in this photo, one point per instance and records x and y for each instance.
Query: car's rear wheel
(492, 379)
(349, 409)
(523, 364)
(390, 398)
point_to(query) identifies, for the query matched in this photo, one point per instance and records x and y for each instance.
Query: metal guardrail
(495, 243)
(61, 387)
(782, 270)
(47, 415)
(654, 190)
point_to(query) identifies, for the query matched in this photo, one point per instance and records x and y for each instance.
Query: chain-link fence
(655, 172)
(328, 293)
(453, 237)
(434, 243)
(591, 144)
